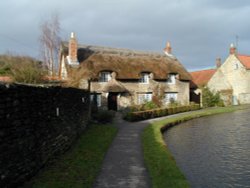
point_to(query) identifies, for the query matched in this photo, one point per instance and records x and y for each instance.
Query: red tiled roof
(5, 79)
(202, 77)
(245, 60)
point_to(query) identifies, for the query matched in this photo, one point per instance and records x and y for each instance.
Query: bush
(142, 115)
(21, 69)
(104, 116)
(210, 99)
(149, 105)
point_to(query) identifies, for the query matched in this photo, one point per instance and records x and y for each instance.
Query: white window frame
(171, 78)
(105, 76)
(144, 97)
(98, 98)
(236, 66)
(170, 95)
(144, 78)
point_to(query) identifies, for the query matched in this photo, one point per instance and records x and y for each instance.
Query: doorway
(112, 101)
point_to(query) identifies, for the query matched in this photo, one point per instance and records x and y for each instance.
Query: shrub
(142, 115)
(211, 99)
(149, 105)
(21, 68)
(5, 68)
(104, 116)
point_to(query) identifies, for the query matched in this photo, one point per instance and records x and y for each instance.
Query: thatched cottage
(119, 78)
(232, 79)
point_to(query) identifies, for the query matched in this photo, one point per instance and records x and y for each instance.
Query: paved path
(123, 166)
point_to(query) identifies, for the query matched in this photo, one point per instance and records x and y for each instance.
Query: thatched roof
(114, 86)
(128, 64)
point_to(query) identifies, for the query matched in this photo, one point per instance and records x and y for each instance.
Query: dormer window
(105, 76)
(144, 78)
(171, 78)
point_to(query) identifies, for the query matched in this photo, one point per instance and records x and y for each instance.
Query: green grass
(80, 166)
(159, 161)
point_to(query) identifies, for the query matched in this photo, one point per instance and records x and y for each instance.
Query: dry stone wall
(36, 125)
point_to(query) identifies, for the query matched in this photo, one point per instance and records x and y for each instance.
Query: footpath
(123, 166)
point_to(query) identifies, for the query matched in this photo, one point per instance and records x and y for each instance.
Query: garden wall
(36, 125)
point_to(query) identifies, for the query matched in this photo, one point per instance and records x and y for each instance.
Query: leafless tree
(50, 43)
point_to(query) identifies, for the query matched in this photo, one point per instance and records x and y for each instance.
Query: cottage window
(170, 97)
(144, 78)
(236, 66)
(171, 79)
(96, 99)
(144, 97)
(105, 76)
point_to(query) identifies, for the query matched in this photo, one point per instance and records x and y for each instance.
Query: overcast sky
(199, 31)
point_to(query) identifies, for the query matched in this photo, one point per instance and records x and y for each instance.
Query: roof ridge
(204, 70)
(115, 50)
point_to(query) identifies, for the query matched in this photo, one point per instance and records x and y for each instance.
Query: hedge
(159, 112)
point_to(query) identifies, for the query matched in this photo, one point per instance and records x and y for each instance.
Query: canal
(213, 151)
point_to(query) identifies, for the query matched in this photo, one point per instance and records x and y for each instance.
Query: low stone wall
(36, 125)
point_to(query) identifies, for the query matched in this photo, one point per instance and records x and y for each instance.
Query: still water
(213, 151)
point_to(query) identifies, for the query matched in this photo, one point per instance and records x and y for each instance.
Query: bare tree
(50, 43)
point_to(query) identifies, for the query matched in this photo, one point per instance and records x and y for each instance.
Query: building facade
(232, 79)
(119, 78)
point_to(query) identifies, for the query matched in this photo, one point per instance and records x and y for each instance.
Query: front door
(234, 99)
(112, 101)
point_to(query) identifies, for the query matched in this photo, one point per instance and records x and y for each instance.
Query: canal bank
(159, 161)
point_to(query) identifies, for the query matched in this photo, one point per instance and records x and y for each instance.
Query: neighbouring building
(200, 79)
(232, 79)
(119, 78)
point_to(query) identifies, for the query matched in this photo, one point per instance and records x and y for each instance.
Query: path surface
(123, 166)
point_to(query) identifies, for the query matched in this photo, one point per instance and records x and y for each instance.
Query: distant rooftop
(201, 77)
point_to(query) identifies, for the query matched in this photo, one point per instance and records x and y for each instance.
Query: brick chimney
(218, 62)
(168, 49)
(73, 49)
(233, 49)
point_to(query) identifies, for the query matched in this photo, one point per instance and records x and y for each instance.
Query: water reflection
(213, 151)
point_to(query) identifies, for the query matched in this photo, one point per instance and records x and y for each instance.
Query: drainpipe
(89, 93)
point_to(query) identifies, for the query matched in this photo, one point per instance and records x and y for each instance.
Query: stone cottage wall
(36, 125)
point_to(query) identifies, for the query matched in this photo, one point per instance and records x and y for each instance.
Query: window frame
(144, 97)
(144, 78)
(167, 99)
(105, 76)
(236, 66)
(98, 98)
(171, 79)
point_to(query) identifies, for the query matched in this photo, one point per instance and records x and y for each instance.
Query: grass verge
(159, 161)
(80, 166)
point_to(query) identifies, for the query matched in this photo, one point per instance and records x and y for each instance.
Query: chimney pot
(72, 35)
(218, 62)
(232, 49)
(168, 48)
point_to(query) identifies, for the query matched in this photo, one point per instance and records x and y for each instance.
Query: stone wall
(36, 125)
